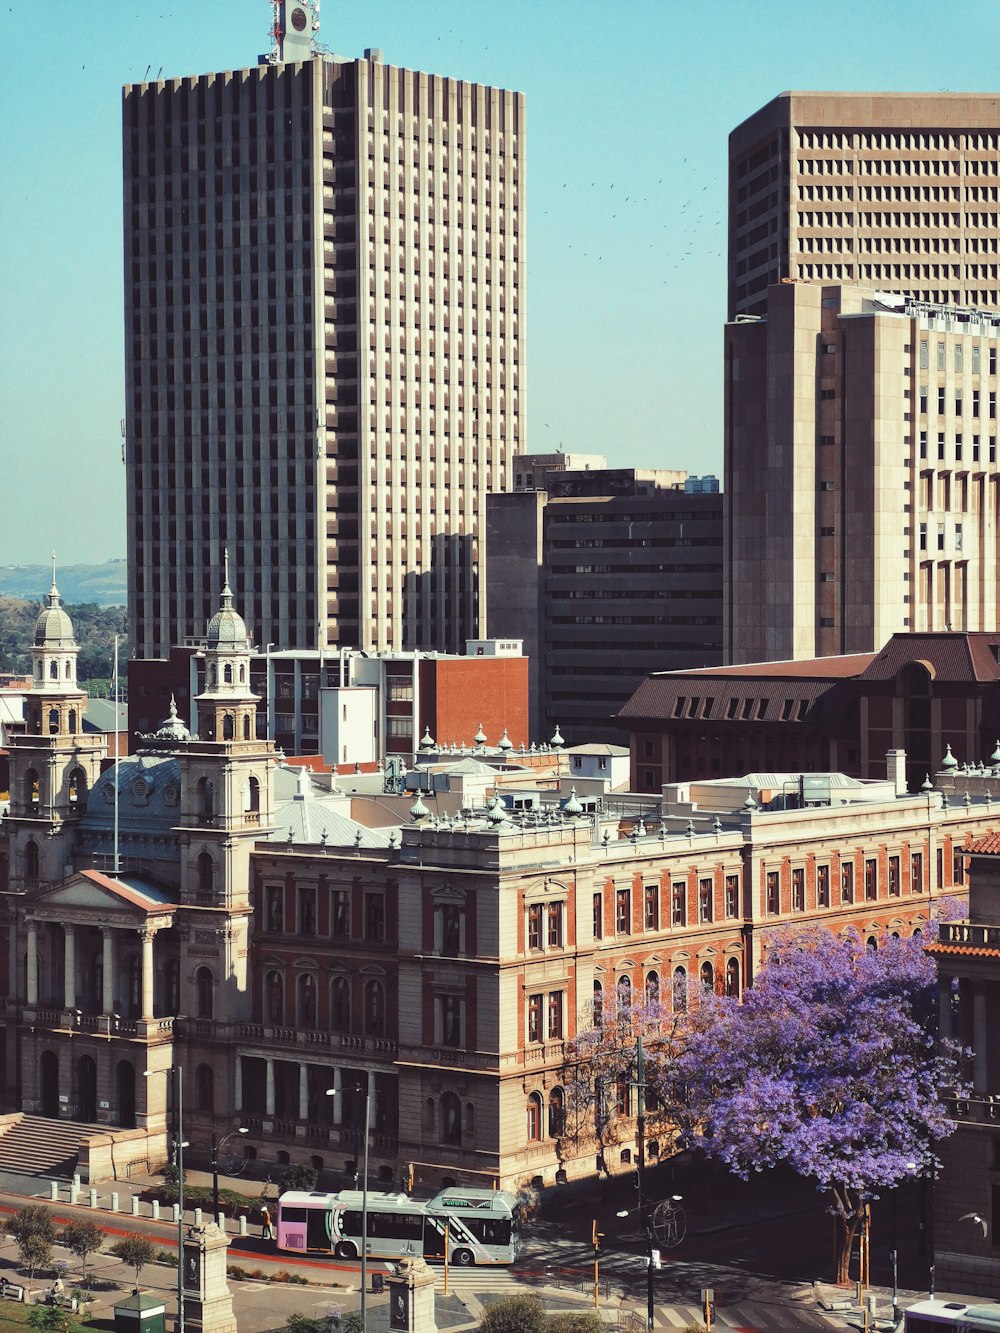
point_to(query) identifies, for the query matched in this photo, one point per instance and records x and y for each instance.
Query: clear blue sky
(629, 106)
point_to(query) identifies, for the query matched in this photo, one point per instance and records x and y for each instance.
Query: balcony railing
(965, 932)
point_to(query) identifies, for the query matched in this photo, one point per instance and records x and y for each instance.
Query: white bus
(931, 1316)
(483, 1226)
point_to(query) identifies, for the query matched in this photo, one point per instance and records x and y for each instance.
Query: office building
(892, 190)
(607, 575)
(324, 334)
(860, 472)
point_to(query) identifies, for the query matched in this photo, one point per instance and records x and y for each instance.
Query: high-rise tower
(324, 276)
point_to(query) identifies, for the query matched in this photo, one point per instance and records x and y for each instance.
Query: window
(374, 916)
(652, 987)
(733, 977)
(623, 911)
(958, 867)
(535, 926)
(598, 1004)
(798, 890)
(557, 1113)
(847, 882)
(894, 875)
(451, 1020)
(651, 907)
(451, 929)
(917, 872)
(940, 356)
(340, 1004)
(773, 893)
(451, 1120)
(340, 914)
(678, 903)
(534, 1126)
(274, 998)
(375, 1009)
(679, 990)
(704, 900)
(205, 992)
(555, 932)
(275, 909)
(871, 879)
(305, 1000)
(555, 1015)
(823, 886)
(732, 895)
(707, 977)
(534, 1018)
(598, 916)
(307, 911)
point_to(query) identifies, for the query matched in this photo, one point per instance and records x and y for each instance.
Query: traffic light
(596, 1238)
(635, 1180)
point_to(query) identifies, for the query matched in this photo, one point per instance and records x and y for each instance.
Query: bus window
(317, 1229)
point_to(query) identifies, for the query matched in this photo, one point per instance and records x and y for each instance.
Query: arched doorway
(86, 1089)
(126, 1094)
(49, 1066)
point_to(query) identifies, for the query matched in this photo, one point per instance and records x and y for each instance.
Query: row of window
(306, 919)
(893, 881)
(297, 1005)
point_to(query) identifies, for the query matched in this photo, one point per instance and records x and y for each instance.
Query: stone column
(107, 971)
(69, 966)
(147, 973)
(32, 961)
(979, 1073)
(303, 1092)
(269, 1103)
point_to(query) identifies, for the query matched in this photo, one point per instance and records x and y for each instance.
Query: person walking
(265, 1223)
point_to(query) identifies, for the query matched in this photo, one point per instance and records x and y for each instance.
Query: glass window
(374, 916)
(555, 931)
(307, 911)
(823, 886)
(535, 926)
(340, 914)
(598, 915)
(894, 875)
(275, 909)
(623, 911)
(651, 908)
(847, 882)
(732, 896)
(917, 872)
(678, 902)
(773, 893)
(555, 1012)
(534, 1018)
(451, 929)
(704, 900)
(798, 890)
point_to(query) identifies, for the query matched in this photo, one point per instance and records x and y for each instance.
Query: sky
(629, 105)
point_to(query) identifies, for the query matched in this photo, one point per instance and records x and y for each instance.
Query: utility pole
(640, 1128)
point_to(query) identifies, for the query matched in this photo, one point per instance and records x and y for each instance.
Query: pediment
(93, 894)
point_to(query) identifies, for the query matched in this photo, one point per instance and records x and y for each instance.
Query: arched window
(429, 1114)
(470, 1119)
(917, 932)
(451, 1120)
(624, 992)
(652, 987)
(243, 674)
(53, 721)
(306, 1000)
(872, 942)
(598, 1004)
(31, 862)
(228, 728)
(53, 671)
(680, 990)
(375, 1009)
(206, 798)
(68, 673)
(707, 977)
(340, 1005)
(246, 726)
(227, 674)
(733, 977)
(204, 1089)
(77, 786)
(205, 992)
(274, 998)
(211, 673)
(534, 1126)
(557, 1113)
(253, 794)
(206, 874)
(31, 792)
(72, 721)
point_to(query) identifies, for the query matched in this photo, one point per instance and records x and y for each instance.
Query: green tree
(83, 1239)
(32, 1220)
(54, 1319)
(34, 1252)
(514, 1314)
(136, 1251)
(301, 1176)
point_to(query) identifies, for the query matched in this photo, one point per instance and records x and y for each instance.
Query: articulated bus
(932, 1316)
(483, 1225)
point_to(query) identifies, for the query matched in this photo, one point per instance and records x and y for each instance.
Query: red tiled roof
(657, 698)
(966, 950)
(120, 890)
(951, 656)
(987, 845)
(821, 668)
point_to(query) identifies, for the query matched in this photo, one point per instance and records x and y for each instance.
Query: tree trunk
(847, 1229)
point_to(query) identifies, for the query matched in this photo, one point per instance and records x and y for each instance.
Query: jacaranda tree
(828, 1064)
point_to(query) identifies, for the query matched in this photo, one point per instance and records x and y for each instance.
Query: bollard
(220, 1220)
(242, 1219)
(74, 1193)
(114, 1203)
(176, 1211)
(76, 1180)
(156, 1210)
(93, 1197)
(197, 1217)
(53, 1190)
(135, 1206)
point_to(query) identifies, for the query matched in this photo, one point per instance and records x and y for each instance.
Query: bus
(932, 1316)
(483, 1226)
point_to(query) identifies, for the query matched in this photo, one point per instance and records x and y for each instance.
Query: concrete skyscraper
(324, 281)
(896, 191)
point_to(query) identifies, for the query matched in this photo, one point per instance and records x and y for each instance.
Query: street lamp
(178, 1073)
(216, 1149)
(332, 1092)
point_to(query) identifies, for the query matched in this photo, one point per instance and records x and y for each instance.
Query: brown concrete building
(606, 575)
(860, 472)
(895, 190)
(922, 693)
(324, 339)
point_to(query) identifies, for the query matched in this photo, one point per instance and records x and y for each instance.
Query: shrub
(576, 1321)
(301, 1176)
(514, 1314)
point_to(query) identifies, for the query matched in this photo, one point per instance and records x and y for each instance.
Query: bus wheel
(346, 1249)
(463, 1258)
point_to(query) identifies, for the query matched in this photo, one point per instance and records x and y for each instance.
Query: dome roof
(227, 628)
(172, 728)
(53, 628)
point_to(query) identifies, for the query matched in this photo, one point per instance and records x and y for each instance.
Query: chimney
(895, 764)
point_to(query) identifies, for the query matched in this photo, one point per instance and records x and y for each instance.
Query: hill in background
(102, 585)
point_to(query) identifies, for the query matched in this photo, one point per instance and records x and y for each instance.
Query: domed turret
(227, 708)
(227, 629)
(55, 647)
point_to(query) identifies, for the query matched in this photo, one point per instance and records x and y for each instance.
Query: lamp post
(332, 1092)
(216, 1149)
(178, 1075)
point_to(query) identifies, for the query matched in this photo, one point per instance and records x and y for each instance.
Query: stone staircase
(33, 1145)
